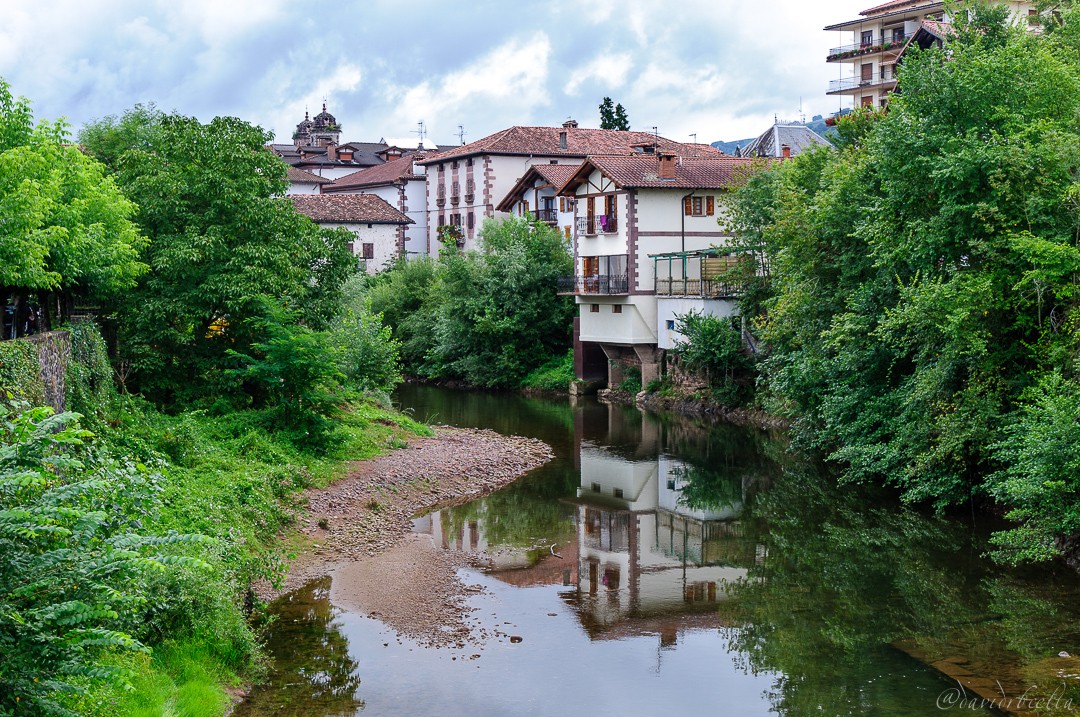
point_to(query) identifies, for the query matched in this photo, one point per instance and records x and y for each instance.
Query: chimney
(667, 166)
(562, 139)
(331, 151)
(570, 124)
(785, 151)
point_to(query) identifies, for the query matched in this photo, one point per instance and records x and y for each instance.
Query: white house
(401, 183)
(303, 182)
(465, 184)
(645, 229)
(374, 222)
(535, 195)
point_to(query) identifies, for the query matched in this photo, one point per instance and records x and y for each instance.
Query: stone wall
(54, 352)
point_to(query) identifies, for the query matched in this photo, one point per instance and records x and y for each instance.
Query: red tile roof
(348, 209)
(554, 174)
(690, 172)
(896, 4)
(393, 172)
(580, 142)
(299, 175)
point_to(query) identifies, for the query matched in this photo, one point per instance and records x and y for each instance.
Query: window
(470, 221)
(369, 250)
(441, 168)
(898, 34)
(442, 220)
(867, 71)
(453, 166)
(867, 38)
(867, 101)
(1033, 17)
(671, 324)
(595, 487)
(618, 492)
(455, 220)
(616, 308)
(594, 308)
(562, 204)
(468, 162)
(352, 247)
(699, 206)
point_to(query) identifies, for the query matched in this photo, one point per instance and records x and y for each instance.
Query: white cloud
(610, 70)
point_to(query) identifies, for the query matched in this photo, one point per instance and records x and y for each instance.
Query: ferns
(74, 571)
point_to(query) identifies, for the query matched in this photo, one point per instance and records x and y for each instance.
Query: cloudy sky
(719, 69)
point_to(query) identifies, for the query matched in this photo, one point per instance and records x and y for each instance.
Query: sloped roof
(297, 175)
(896, 4)
(580, 142)
(392, 172)
(348, 209)
(555, 175)
(690, 172)
(771, 142)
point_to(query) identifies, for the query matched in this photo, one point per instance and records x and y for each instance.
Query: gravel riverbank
(360, 530)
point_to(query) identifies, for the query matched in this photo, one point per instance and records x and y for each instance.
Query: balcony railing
(594, 284)
(851, 83)
(706, 288)
(891, 44)
(551, 216)
(605, 224)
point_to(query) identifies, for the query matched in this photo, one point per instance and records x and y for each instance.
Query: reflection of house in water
(644, 552)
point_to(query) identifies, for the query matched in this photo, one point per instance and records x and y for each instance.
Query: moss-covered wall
(32, 369)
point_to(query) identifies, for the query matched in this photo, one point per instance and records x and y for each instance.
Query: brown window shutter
(562, 204)
(687, 206)
(709, 206)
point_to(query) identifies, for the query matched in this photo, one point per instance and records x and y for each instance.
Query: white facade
(379, 241)
(478, 182)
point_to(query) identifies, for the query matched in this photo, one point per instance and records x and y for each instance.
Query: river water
(664, 565)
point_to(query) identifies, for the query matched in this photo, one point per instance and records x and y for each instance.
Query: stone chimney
(785, 151)
(570, 124)
(562, 139)
(667, 165)
(331, 151)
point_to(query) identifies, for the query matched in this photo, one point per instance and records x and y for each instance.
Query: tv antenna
(694, 135)
(461, 134)
(420, 131)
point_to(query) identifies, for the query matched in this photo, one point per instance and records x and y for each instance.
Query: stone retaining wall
(54, 352)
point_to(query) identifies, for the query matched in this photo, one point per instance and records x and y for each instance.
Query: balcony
(591, 226)
(704, 288)
(604, 284)
(548, 216)
(846, 52)
(847, 84)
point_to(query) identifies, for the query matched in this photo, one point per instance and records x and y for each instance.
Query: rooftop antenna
(420, 131)
(802, 115)
(461, 134)
(694, 135)
(656, 137)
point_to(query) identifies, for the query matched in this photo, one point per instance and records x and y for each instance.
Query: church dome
(325, 120)
(304, 128)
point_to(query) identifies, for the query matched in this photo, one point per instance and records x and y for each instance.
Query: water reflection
(313, 671)
(663, 564)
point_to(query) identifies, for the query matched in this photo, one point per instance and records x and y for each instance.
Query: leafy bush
(294, 373)
(20, 373)
(555, 375)
(366, 350)
(1040, 452)
(714, 347)
(74, 565)
(631, 383)
(89, 377)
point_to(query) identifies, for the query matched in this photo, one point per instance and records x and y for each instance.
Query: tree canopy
(223, 238)
(924, 277)
(613, 116)
(66, 226)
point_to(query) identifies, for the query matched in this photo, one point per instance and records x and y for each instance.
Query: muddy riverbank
(357, 530)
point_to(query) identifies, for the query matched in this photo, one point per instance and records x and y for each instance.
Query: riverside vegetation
(914, 292)
(250, 368)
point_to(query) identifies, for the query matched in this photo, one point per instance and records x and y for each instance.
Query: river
(664, 565)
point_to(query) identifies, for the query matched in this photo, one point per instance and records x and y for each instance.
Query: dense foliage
(713, 346)
(488, 317)
(222, 236)
(67, 229)
(923, 278)
(613, 116)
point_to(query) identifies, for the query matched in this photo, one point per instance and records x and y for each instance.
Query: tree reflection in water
(312, 673)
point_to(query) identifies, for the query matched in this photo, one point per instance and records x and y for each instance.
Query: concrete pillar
(650, 363)
(616, 374)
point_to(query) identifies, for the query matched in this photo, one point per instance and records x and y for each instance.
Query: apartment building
(874, 41)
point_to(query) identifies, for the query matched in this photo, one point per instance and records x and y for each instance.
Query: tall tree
(613, 116)
(223, 239)
(67, 229)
